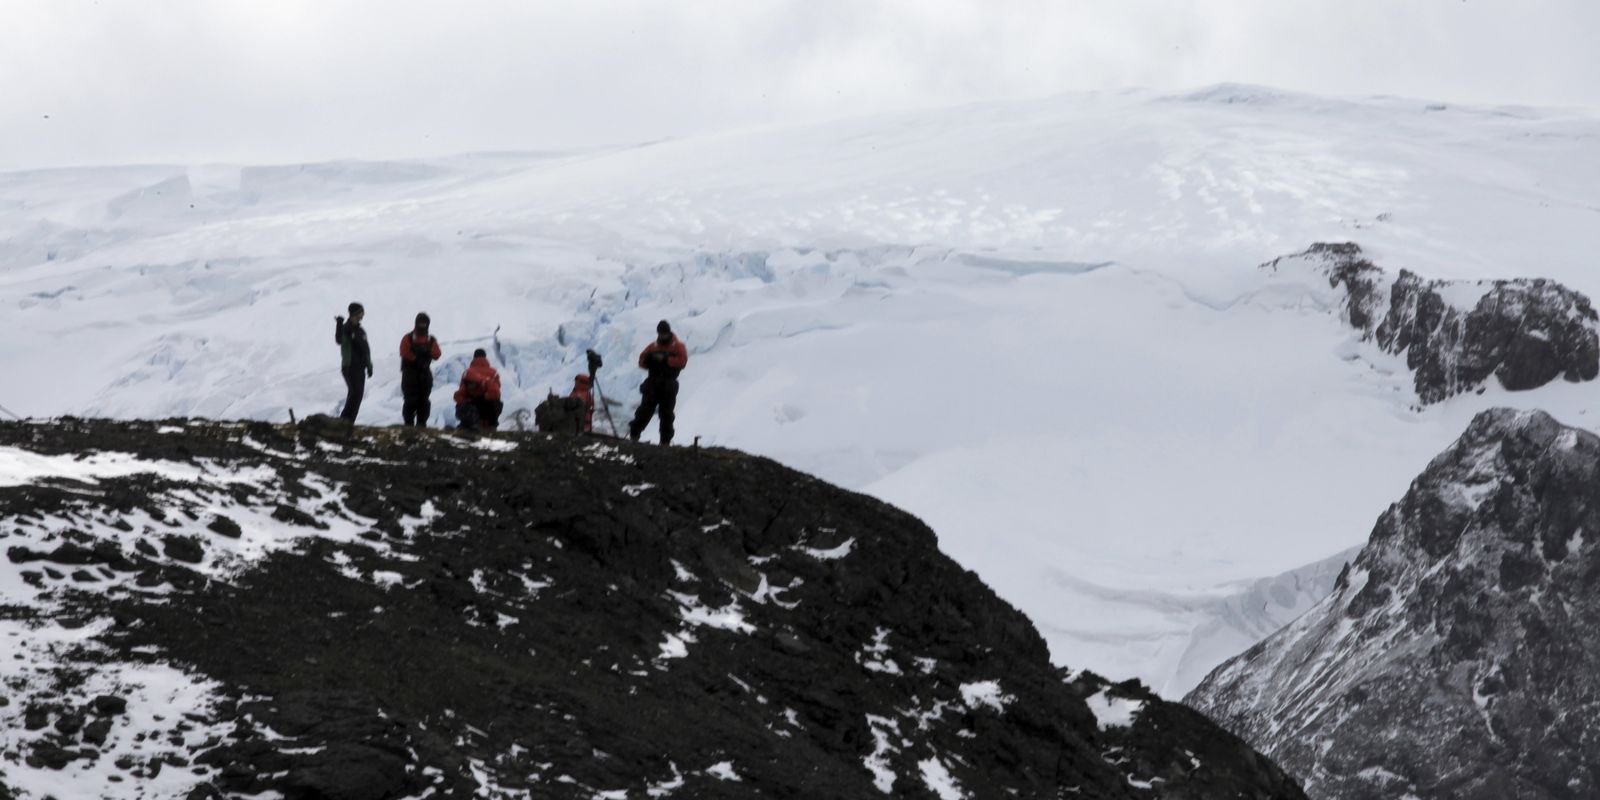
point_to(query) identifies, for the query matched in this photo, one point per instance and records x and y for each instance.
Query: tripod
(594, 380)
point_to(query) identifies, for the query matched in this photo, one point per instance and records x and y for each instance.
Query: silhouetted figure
(355, 359)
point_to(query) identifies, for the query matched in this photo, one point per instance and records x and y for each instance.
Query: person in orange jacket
(663, 359)
(581, 389)
(478, 397)
(418, 351)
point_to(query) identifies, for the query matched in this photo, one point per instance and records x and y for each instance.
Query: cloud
(197, 80)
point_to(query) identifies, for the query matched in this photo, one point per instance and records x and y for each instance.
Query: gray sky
(287, 80)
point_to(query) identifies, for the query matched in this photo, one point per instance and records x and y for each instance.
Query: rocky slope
(1459, 655)
(1455, 335)
(202, 609)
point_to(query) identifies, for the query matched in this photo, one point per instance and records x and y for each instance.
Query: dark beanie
(354, 307)
(480, 353)
(422, 318)
(663, 327)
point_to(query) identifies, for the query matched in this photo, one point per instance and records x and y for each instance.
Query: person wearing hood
(478, 397)
(663, 359)
(418, 351)
(355, 359)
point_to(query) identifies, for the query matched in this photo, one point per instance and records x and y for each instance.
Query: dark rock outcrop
(391, 613)
(1455, 335)
(1459, 655)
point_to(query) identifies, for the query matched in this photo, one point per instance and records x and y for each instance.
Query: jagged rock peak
(201, 609)
(1455, 335)
(1459, 655)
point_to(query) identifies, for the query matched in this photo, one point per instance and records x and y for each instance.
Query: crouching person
(478, 397)
(581, 392)
(572, 414)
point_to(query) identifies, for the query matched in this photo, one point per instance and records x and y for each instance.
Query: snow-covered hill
(1040, 326)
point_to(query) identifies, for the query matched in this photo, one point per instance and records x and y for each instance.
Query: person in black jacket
(355, 359)
(418, 351)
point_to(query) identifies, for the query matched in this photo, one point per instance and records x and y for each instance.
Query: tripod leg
(604, 407)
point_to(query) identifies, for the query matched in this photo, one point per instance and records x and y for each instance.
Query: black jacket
(354, 352)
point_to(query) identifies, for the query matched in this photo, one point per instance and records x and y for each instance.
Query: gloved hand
(369, 370)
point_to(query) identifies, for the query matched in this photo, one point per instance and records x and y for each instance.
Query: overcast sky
(118, 81)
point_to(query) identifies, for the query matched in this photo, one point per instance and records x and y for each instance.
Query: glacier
(1038, 325)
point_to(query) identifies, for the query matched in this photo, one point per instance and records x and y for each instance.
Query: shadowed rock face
(1459, 655)
(1455, 335)
(394, 612)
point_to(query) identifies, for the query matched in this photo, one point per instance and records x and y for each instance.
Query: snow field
(1039, 326)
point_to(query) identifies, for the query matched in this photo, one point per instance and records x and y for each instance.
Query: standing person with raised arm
(355, 359)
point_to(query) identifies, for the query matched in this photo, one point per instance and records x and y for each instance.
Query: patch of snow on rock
(829, 554)
(723, 771)
(1113, 712)
(984, 693)
(884, 732)
(939, 780)
(874, 655)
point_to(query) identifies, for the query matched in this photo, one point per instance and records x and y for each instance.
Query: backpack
(559, 415)
(343, 341)
(475, 388)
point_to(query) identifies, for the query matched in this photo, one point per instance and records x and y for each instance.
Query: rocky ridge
(1458, 655)
(202, 610)
(1455, 335)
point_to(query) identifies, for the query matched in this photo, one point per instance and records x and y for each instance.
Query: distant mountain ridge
(1459, 655)
(1455, 335)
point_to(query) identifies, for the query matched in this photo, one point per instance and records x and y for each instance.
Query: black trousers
(415, 388)
(489, 412)
(355, 384)
(475, 414)
(415, 409)
(656, 395)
